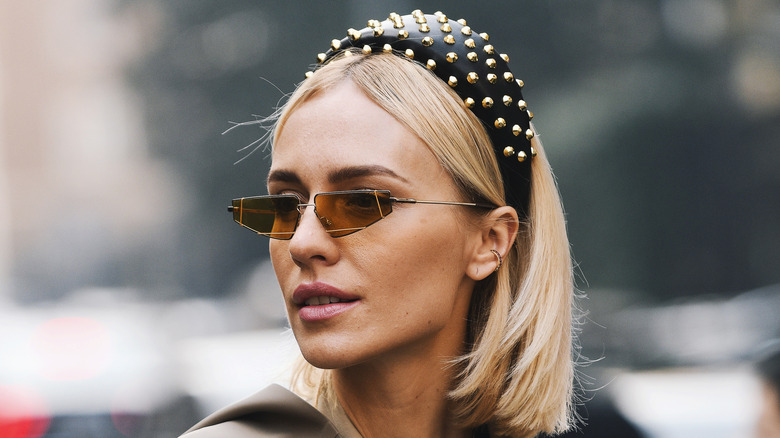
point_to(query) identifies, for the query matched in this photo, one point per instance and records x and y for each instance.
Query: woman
(419, 242)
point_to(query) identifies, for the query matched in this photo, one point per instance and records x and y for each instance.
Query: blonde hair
(517, 372)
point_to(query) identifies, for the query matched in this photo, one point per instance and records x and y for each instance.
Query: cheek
(280, 259)
(419, 263)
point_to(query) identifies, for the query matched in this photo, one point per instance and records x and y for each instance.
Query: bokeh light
(23, 413)
(71, 348)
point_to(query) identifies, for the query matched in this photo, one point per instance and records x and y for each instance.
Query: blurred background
(131, 305)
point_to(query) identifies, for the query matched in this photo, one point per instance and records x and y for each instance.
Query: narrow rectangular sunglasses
(340, 213)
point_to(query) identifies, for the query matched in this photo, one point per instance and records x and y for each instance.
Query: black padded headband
(479, 75)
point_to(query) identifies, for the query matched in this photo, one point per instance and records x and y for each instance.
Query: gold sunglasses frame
(237, 207)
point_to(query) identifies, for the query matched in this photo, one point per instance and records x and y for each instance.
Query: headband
(469, 65)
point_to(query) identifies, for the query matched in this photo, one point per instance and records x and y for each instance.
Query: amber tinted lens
(273, 216)
(343, 213)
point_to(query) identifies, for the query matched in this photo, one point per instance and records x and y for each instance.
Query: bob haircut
(516, 373)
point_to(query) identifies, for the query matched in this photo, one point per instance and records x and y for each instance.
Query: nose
(310, 243)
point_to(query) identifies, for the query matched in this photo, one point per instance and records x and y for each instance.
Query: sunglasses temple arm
(417, 201)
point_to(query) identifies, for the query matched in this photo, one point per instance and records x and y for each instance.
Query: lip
(319, 289)
(323, 311)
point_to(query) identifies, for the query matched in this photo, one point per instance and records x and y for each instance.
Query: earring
(498, 256)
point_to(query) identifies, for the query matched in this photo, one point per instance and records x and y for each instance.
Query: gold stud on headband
(470, 43)
(465, 30)
(403, 34)
(374, 23)
(449, 39)
(472, 56)
(427, 41)
(421, 19)
(489, 49)
(485, 36)
(522, 105)
(409, 53)
(517, 130)
(425, 28)
(462, 22)
(398, 21)
(487, 102)
(431, 64)
(378, 31)
(491, 63)
(520, 83)
(469, 102)
(452, 57)
(499, 123)
(521, 156)
(335, 45)
(509, 151)
(446, 28)
(442, 19)
(367, 49)
(387, 48)
(452, 81)
(529, 134)
(472, 78)
(353, 34)
(492, 78)
(321, 58)
(509, 77)
(507, 99)
(505, 57)
(533, 152)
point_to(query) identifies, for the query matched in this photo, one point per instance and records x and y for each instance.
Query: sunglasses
(340, 213)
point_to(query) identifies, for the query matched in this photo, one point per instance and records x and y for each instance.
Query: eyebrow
(337, 176)
(282, 175)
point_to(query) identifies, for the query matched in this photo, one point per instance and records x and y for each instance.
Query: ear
(498, 232)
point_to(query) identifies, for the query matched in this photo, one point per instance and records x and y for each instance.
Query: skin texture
(412, 273)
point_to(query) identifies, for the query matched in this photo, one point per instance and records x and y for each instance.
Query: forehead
(342, 127)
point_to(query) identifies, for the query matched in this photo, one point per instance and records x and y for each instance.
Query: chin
(327, 360)
(325, 350)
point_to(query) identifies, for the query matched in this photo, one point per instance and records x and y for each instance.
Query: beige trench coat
(278, 413)
(272, 412)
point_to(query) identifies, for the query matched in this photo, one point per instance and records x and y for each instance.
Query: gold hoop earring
(498, 256)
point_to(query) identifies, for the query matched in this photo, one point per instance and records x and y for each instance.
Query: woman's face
(401, 283)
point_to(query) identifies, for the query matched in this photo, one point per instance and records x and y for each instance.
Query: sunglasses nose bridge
(302, 207)
(323, 220)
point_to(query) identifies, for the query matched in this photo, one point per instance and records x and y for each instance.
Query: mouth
(320, 301)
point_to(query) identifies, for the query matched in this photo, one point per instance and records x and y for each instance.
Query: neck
(402, 395)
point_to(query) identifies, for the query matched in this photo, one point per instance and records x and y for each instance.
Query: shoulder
(272, 412)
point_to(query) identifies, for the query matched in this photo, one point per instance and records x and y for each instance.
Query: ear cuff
(498, 257)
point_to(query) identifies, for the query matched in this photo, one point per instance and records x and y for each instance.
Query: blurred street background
(131, 305)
